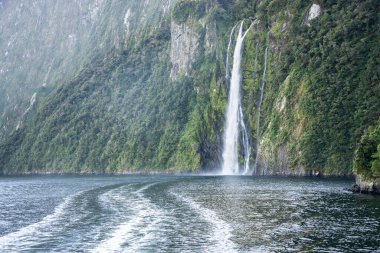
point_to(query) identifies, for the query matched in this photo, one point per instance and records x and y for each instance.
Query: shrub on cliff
(367, 155)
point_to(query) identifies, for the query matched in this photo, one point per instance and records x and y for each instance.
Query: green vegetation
(367, 155)
(47, 43)
(332, 89)
(185, 8)
(122, 112)
(119, 113)
(342, 78)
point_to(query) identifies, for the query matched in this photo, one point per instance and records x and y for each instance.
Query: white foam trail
(136, 231)
(25, 237)
(114, 201)
(119, 236)
(221, 230)
(154, 218)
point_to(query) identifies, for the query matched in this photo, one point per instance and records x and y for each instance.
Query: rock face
(183, 49)
(365, 186)
(314, 12)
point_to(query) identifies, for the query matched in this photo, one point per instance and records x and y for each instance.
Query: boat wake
(131, 235)
(221, 230)
(26, 236)
(131, 217)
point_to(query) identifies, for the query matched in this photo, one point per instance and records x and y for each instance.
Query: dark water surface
(185, 214)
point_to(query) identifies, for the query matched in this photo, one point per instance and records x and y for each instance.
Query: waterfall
(262, 86)
(228, 55)
(234, 114)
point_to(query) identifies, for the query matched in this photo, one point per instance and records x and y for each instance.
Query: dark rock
(354, 188)
(364, 187)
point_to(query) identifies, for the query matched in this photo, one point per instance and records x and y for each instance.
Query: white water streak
(48, 73)
(32, 101)
(134, 232)
(26, 235)
(247, 147)
(221, 230)
(228, 54)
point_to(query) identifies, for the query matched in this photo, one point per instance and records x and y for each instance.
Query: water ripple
(221, 230)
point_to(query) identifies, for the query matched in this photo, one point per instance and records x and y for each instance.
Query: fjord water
(185, 213)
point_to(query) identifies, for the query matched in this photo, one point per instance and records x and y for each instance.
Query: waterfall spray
(234, 113)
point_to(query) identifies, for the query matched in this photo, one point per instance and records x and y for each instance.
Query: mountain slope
(44, 43)
(153, 96)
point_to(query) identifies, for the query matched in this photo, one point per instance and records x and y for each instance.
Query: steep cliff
(367, 161)
(330, 95)
(44, 43)
(142, 85)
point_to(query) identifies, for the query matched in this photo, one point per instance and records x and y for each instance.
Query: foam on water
(190, 214)
(134, 232)
(221, 230)
(26, 236)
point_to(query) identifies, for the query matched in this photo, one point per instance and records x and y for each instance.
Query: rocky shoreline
(365, 186)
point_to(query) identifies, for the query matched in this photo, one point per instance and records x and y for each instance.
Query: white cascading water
(228, 53)
(259, 107)
(247, 147)
(234, 114)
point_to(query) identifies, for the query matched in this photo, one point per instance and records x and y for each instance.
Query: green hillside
(144, 86)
